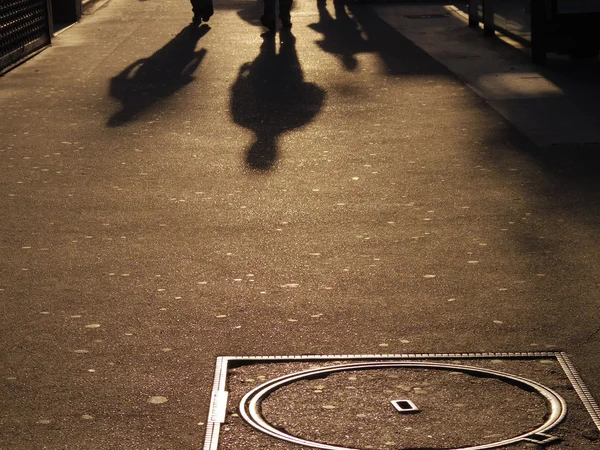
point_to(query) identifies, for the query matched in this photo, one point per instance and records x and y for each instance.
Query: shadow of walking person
(143, 84)
(341, 36)
(251, 13)
(271, 97)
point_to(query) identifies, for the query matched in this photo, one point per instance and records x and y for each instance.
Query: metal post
(540, 10)
(488, 18)
(474, 13)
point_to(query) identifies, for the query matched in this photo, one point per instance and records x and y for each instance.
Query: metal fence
(24, 28)
(563, 26)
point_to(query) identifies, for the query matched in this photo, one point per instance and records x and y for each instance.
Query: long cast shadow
(143, 84)
(342, 36)
(270, 97)
(400, 56)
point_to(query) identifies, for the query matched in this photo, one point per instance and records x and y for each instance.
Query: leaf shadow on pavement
(150, 80)
(270, 97)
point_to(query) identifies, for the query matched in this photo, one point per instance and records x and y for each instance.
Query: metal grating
(24, 28)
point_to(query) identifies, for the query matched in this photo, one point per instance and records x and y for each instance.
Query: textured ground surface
(170, 194)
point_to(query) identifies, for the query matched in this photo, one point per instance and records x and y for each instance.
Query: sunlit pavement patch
(413, 401)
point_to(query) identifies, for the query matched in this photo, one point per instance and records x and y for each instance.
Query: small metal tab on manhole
(405, 406)
(470, 401)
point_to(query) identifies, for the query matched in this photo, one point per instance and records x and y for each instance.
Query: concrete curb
(91, 6)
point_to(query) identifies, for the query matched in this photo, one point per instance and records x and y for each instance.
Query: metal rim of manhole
(250, 404)
(251, 412)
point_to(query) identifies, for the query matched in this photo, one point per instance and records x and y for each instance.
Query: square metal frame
(219, 397)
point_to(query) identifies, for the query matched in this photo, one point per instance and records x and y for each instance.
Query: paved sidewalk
(554, 106)
(174, 193)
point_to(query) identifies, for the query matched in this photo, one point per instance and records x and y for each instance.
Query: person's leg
(202, 9)
(270, 8)
(285, 6)
(268, 18)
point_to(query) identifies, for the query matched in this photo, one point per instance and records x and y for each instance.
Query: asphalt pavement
(172, 193)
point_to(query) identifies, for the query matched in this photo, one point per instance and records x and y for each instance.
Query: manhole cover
(420, 401)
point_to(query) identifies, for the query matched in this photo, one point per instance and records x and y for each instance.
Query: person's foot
(286, 22)
(268, 22)
(201, 15)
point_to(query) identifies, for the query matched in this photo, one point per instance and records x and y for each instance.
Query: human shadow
(342, 36)
(141, 85)
(270, 97)
(400, 56)
(252, 11)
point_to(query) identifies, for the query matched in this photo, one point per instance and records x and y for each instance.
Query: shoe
(202, 14)
(268, 22)
(286, 22)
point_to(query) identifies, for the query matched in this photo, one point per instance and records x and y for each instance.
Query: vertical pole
(540, 11)
(474, 13)
(488, 18)
(78, 10)
(50, 18)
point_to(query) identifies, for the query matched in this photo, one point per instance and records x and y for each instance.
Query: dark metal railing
(24, 28)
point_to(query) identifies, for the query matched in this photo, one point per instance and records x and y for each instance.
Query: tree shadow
(270, 97)
(143, 84)
(342, 36)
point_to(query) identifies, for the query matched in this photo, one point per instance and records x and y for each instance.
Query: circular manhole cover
(409, 405)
